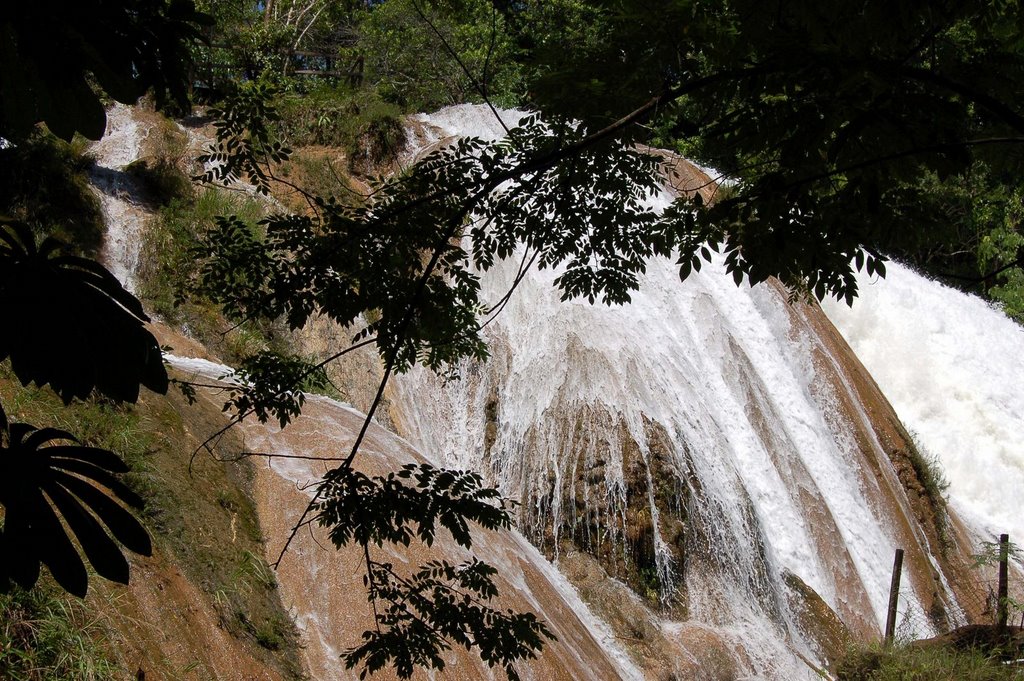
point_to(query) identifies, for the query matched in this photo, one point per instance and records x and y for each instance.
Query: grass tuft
(919, 663)
(47, 635)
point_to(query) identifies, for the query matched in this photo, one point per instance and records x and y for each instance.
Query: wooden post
(894, 597)
(1004, 558)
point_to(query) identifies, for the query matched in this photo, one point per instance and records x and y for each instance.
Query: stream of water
(951, 364)
(118, 192)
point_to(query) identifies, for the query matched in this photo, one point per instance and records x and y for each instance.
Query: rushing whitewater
(951, 365)
(117, 191)
(715, 448)
(706, 425)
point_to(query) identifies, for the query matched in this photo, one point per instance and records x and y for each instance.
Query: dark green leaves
(271, 385)
(828, 120)
(53, 52)
(410, 503)
(45, 487)
(71, 324)
(421, 614)
(438, 605)
(244, 145)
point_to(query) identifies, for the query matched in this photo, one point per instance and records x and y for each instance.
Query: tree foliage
(52, 52)
(44, 485)
(49, 293)
(424, 55)
(440, 603)
(43, 488)
(830, 120)
(826, 117)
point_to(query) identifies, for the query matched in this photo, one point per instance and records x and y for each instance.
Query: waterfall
(950, 363)
(703, 440)
(118, 192)
(718, 449)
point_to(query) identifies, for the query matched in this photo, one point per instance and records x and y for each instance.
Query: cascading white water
(719, 385)
(702, 405)
(121, 144)
(951, 364)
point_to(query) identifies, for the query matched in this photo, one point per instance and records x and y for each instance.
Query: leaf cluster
(44, 486)
(244, 141)
(438, 604)
(991, 553)
(272, 384)
(405, 504)
(826, 118)
(406, 256)
(44, 183)
(422, 614)
(426, 54)
(50, 293)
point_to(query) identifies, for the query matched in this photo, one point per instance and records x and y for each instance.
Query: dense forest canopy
(846, 128)
(848, 132)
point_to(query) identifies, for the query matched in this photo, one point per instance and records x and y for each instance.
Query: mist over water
(953, 367)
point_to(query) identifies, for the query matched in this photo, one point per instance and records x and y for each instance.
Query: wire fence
(977, 603)
(989, 599)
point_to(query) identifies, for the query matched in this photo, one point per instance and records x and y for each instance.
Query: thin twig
(481, 90)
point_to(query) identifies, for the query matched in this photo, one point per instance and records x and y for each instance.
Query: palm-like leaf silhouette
(70, 324)
(48, 489)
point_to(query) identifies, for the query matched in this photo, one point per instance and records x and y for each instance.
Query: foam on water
(469, 121)
(953, 366)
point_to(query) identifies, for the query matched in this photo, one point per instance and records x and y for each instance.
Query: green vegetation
(426, 55)
(976, 239)
(166, 266)
(166, 253)
(365, 126)
(98, 422)
(46, 635)
(162, 182)
(933, 484)
(203, 517)
(44, 182)
(932, 663)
